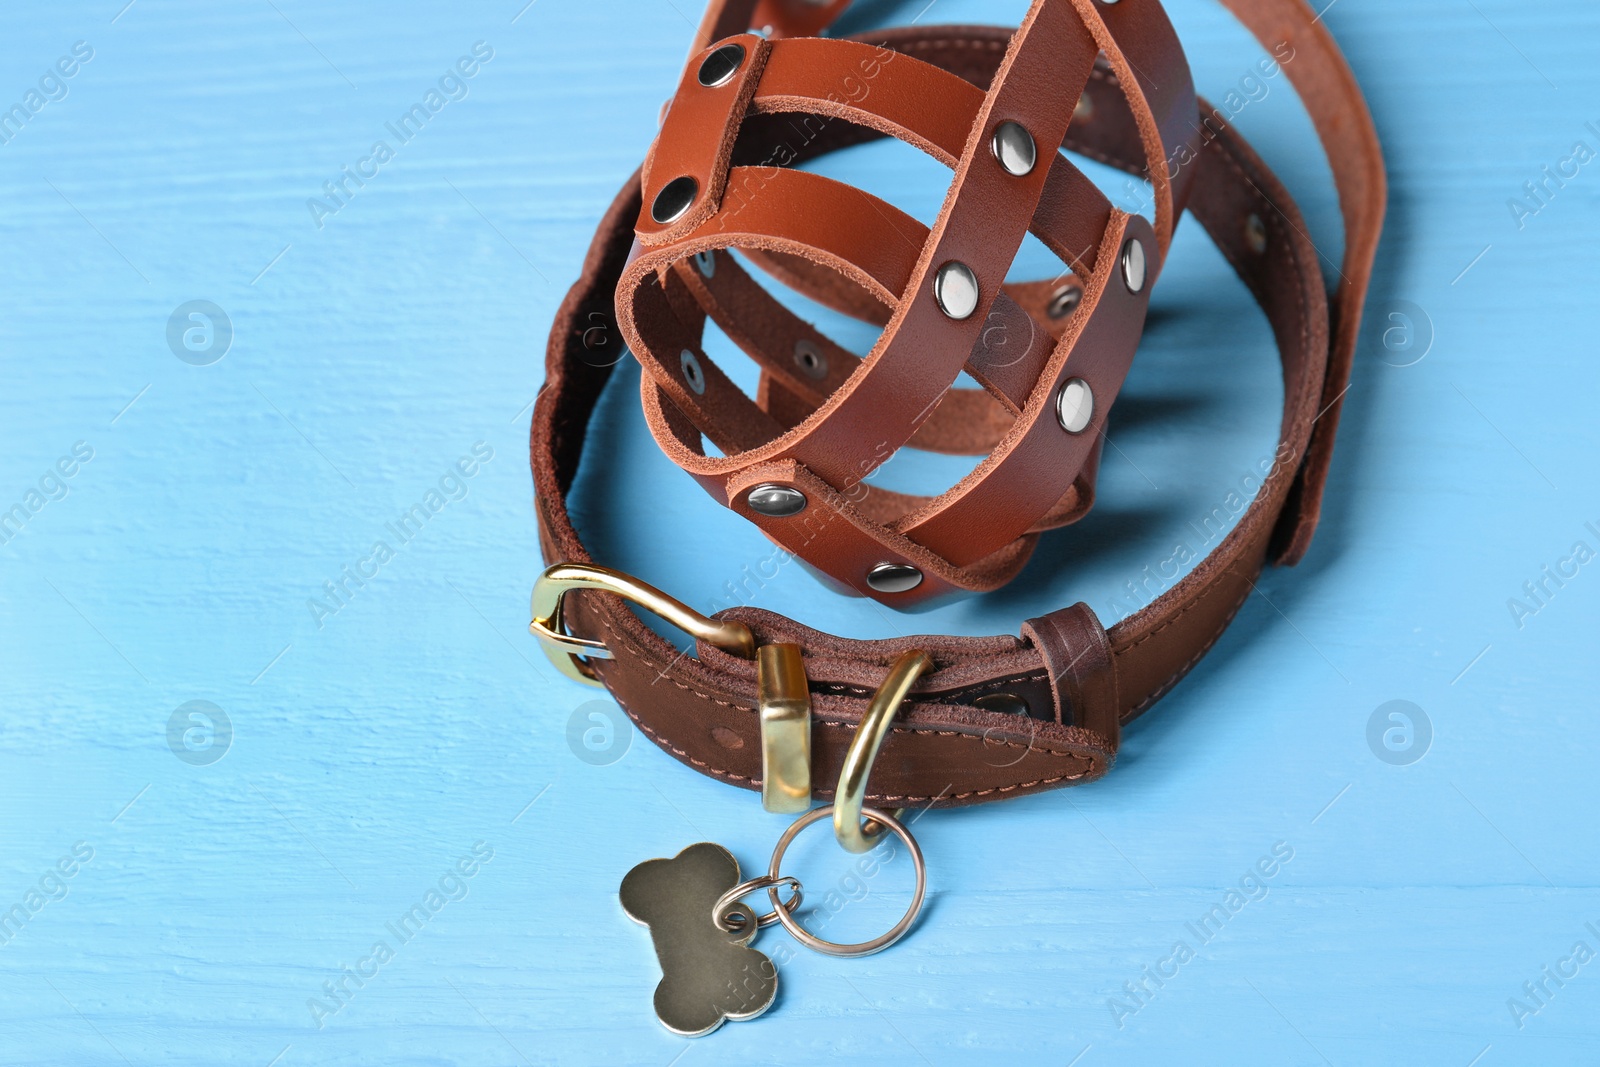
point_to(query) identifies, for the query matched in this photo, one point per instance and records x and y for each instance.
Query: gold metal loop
(858, 948)
(784, 698)
(568, 653)
(863, 752)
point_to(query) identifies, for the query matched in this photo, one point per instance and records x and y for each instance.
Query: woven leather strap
(822, 433)
(945, 747)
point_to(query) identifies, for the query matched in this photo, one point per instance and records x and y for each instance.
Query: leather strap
(1081, 668)
(1079, 681)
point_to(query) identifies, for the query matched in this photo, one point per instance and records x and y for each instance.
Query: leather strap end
(1083, 673)
(1291, 538)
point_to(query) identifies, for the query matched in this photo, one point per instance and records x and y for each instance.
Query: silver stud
(707, 263)
(692, 372)
(955, 288)
(1064, 301)
(894, 577)
(1013, 147)
(776, 501)
(1074, 405)
(809, 358)
(1004, 703)
(674, 199)
(1133, 264)
(1255, 234)
(720, 66)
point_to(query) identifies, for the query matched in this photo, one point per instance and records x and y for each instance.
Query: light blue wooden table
(185, 883)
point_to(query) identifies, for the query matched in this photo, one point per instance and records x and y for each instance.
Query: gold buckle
(569, 653)
(783, 694)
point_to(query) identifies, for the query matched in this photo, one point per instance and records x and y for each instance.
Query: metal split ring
(806, 937)
(723, 911)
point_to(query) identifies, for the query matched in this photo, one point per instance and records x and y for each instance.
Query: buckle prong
(569, 653)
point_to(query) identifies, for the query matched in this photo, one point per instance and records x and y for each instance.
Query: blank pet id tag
(707, 974)
(702, 932)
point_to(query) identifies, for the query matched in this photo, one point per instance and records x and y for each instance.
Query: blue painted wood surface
(178, 911)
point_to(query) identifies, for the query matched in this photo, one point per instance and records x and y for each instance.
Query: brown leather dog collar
(658, 273)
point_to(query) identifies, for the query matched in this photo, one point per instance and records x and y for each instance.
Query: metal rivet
(1074, 405)
(1013, 147)
(1133, 264)
(674, 199)
(955, 288)
(1064, 301)
(1085, 109)
(707, 263)
(1004, 703)
(809, 358)
(776, 501)
(1255, 234)
(720, 66)
(894, 577)
(692, 372)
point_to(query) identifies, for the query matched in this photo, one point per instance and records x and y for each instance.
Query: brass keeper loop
(783, 697)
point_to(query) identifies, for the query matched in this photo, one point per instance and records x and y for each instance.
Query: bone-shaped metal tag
(707, 974)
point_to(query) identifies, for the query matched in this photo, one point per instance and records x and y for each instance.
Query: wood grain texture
(374, 746)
